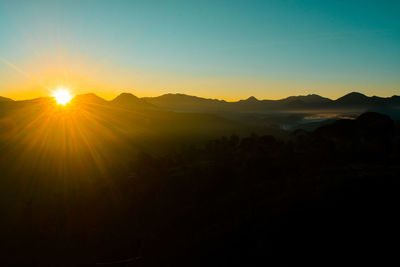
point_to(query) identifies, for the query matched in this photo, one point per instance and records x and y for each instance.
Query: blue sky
(222, 49)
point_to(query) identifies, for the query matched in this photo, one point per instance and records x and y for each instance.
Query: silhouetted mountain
(90, 98)
(373, 124)
(309, 99)
(252, 99)
(250, 104)
(182, 102)
(395, 100)
(303, 102)
(5, 99)
(356, 100)
(353, 99)
(37, 103)
(130, 101)
(121, 117)
(187, 103)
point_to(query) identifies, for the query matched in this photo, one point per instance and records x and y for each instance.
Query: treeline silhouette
(326, 197)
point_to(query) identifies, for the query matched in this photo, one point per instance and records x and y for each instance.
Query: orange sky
(38, 77)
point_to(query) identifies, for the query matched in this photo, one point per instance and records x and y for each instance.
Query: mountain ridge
(129, 100)
(189, 103)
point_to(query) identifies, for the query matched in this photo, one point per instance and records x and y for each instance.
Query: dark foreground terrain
(323, 198)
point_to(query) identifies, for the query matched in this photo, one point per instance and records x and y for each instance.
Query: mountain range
(188, 103)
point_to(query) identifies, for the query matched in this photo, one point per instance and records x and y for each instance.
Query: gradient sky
(219, 49)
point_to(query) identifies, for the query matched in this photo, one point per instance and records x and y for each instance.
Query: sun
(62, 96)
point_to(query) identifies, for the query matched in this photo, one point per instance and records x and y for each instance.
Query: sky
(217, 49)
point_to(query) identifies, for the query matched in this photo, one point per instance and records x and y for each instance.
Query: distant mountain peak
(353, 97)
(125, 96)
(307, 99)
(252, 98)
(355, 94)
(89, 98)
(130, 101)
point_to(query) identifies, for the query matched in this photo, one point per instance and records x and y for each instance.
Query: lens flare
(62, 96)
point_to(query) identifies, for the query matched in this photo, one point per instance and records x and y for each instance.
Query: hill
(130, 101)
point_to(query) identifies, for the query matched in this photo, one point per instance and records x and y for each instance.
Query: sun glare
(62, 96)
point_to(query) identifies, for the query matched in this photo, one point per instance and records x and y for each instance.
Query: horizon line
(218, 99)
